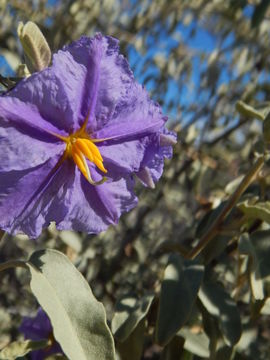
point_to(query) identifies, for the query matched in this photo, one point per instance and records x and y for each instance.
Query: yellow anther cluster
(82, 149)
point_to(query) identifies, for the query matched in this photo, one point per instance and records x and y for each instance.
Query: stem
(3, 235)
(12, 263)
(213, 230)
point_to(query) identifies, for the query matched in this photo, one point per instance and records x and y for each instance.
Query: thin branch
(11, 264)
(213, 230)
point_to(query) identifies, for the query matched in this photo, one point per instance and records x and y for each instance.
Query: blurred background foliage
(197, 58)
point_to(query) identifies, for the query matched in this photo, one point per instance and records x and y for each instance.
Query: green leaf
(259, 13)
(71, 239)
(20, 348)
(266, 128)
(129, 312)
(181, 283)
(197, 344)
(248, 111)
(174, 349)
(35, 46)
(219, 304)
(132, 347)
(260, 210)
(246, 247)
(257, 246)
(78, 319)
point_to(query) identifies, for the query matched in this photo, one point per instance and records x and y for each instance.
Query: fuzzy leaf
(78, 319)
(261, 210)
(35, 46)
(20, 348)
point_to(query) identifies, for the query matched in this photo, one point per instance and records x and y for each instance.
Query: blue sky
(200, 40)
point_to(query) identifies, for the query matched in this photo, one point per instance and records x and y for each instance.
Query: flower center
(81, 149)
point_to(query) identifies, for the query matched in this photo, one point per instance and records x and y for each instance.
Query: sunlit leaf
(129, 312)
(20, 348)
(78, 319)
(35, 46)
(197, 344)
(249, 111)
(260, 210)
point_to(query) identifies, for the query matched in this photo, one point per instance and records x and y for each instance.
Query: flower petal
(154, 157)
(38, 327)
(116, 81)
(93, 208)
(108, 90)
(20, 150)
(135, 117)
(124, 157)
(49, 94)
(35, 197)
(81, 74)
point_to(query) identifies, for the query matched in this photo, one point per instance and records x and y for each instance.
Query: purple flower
(71, 139)
(39, 328)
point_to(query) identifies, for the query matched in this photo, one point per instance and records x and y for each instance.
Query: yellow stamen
(94, 149)
(81, 149)
(100, 165)
(82, 145)
(78, 159)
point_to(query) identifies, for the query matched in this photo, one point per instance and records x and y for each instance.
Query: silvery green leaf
(259, 210)
(78, 319)
(132, 347)
(128, 313)
(180, 286)
(256, 245)
(197, 344)
(219, 304)
(35, 46)
(247, 110)
(20, 348)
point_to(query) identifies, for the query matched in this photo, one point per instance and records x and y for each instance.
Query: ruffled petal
(35, 197)
(38, 196)
(136, 116)
(124, 157)
(26, 118)
(20, 150)
(117, 106)
(115, 81)
(50, 95)
(78, 67)
(93, 208)
(154, 157)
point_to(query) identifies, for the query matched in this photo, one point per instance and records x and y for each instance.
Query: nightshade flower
(72, 136)
(40, 328)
